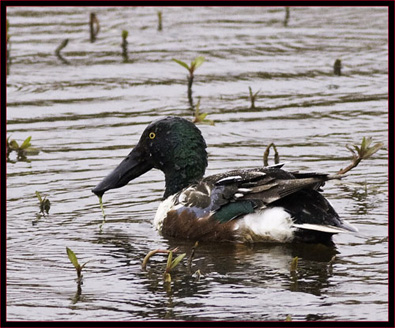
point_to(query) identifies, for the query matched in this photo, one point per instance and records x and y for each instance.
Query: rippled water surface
(86, 111)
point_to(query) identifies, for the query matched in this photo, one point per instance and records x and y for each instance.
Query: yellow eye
(152, 135)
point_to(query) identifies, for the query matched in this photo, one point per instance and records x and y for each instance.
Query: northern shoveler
(265, 204)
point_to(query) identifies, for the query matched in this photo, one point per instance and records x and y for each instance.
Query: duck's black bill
(130, 168)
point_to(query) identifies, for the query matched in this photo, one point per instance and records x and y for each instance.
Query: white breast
(164, 207)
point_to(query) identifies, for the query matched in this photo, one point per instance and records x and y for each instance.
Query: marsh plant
(159, 21)
(266, 155)
(44, 205)
(170, 265)
(201, 117)
(73, 259)
(22, 150)
(94, 27)
(361, 152)
(125, 46)
(198, 61)
(253, 97)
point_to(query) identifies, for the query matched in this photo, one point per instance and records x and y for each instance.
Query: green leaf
(294, 264)
(73, 258)
(369, 152)
(26, 143)
(181, 63)
(39, 197)
(177, 260)
(14, 145)
(202, 116)
(82, 266)
(169, 260)
(198, 61)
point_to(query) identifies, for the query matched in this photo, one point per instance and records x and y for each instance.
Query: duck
(248, 205)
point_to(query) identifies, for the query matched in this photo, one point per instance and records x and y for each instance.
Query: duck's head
(173, 145)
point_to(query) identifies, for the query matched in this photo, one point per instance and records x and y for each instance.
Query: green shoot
(360, 153)
(22, 150)
(266, 155)
(201, 117)
(73, 259)
(45, 204)
(125, 46)
(171, 264)
(294, 264)
(198, 61)
(159, 21)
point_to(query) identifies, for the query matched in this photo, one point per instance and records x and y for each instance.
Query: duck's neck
(181, 177)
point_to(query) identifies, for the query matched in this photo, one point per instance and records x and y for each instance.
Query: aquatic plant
(125, 46)
(360, 153)
(151, 253)
(171, 264)
(44, 205)
(294, 265)
(159, 20)
(266, 155)
(253, 97)
(94, 21)
(102, 211)
(287, 15)
(337, 67)
(198, 61)
(201, 117)
(23, 150)
(190, 257)
(62, 45)
(73, 259)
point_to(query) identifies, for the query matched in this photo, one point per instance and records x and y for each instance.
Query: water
(85, 116)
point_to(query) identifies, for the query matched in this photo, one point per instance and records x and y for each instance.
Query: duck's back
(263, 204)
